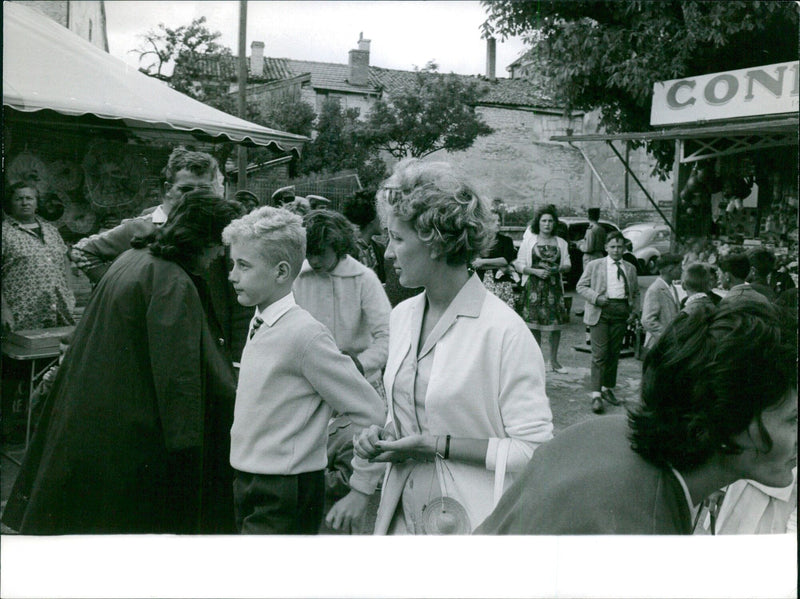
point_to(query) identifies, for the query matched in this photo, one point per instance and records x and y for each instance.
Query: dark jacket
(588, 481)
(135, 434)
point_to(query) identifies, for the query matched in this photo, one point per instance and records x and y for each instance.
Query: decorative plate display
(29, 168)
(65, 175)
(52, 204)
(445, 516)
(113, 174)
(79, 218)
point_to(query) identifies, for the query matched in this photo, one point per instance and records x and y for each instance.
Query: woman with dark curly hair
(134, 436)
(542, 257)
(464, 378)
(719, 404)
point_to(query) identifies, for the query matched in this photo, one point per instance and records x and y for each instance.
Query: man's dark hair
(737, 264)
(615, 235)
(198, 163)
(762, 261)
(708, 377)
(594, 214)
(360, 209)
(697, 278)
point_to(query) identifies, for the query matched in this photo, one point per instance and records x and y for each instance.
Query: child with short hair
(292, 378)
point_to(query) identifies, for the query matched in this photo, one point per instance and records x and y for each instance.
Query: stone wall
(519, 164)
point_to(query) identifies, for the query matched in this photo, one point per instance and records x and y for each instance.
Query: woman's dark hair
(14, 188)
(195, 223)
(360, 209)
(326, 228)
(549, 209)
(708, 377)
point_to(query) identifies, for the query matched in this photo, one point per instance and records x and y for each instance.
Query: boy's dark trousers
(275, 504)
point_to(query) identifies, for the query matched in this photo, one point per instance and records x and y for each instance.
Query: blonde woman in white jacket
(464, 378)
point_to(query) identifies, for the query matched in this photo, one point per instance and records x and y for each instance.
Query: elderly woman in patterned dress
(35, 293)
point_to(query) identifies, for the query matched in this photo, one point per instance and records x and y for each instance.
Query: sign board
(771, 89)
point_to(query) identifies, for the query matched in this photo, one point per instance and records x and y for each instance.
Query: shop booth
(735, 175)
(93, 134)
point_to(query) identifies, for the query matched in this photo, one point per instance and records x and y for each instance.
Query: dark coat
(135, 434)
(588, 481)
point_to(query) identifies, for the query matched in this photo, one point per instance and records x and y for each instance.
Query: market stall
(92, 133)
(735, 176)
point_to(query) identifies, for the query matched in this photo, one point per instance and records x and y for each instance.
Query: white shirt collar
(275, 310)
(158, 215)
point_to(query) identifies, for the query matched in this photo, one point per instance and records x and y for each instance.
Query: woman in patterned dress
(35, 292)
(542, 258)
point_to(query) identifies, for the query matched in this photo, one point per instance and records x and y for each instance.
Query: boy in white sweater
(292, 377)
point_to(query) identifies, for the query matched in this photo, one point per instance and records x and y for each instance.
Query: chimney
(491, 53)
(257, 59)
(359, 63)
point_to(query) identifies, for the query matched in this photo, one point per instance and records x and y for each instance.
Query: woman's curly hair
(548, 209)
(708, 377)
(442, 206)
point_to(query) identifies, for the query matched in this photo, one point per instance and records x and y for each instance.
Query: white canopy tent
(48, 67)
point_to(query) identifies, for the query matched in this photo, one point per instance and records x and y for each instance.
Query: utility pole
(242, 95)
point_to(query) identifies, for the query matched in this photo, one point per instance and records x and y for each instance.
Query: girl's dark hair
(549, 209)
(195, 223)
(326, 228)
(708, 377)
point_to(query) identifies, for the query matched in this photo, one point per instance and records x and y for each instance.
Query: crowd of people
(273, 369)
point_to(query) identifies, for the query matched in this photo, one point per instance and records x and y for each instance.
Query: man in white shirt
(611, 290)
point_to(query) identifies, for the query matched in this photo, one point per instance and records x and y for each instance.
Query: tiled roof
(334, 76)
(330, 75)
(519, 92)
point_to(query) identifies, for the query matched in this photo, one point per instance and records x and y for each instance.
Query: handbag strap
(503, 447)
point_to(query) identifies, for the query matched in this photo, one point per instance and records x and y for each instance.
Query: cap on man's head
(283, 195)
(318, 202)
(243, 195)
(594, 213)
(667, 260)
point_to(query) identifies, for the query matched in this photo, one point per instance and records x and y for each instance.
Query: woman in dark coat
(134, 436)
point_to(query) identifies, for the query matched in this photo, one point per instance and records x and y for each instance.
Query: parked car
(572, 229)
(650, 240)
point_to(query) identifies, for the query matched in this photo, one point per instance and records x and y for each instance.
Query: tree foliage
(607, 54)
(289, 115)
(341, 143)
(435, 113)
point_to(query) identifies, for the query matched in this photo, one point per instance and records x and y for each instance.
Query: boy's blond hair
(279, 234)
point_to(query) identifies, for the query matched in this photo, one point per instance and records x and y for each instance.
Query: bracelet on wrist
(436, 451)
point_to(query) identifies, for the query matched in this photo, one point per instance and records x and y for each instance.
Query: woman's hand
(365, 444)
(421, 448)
(542, 273)
(346, 513)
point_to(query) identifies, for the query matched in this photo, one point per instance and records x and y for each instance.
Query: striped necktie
(257, 322)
